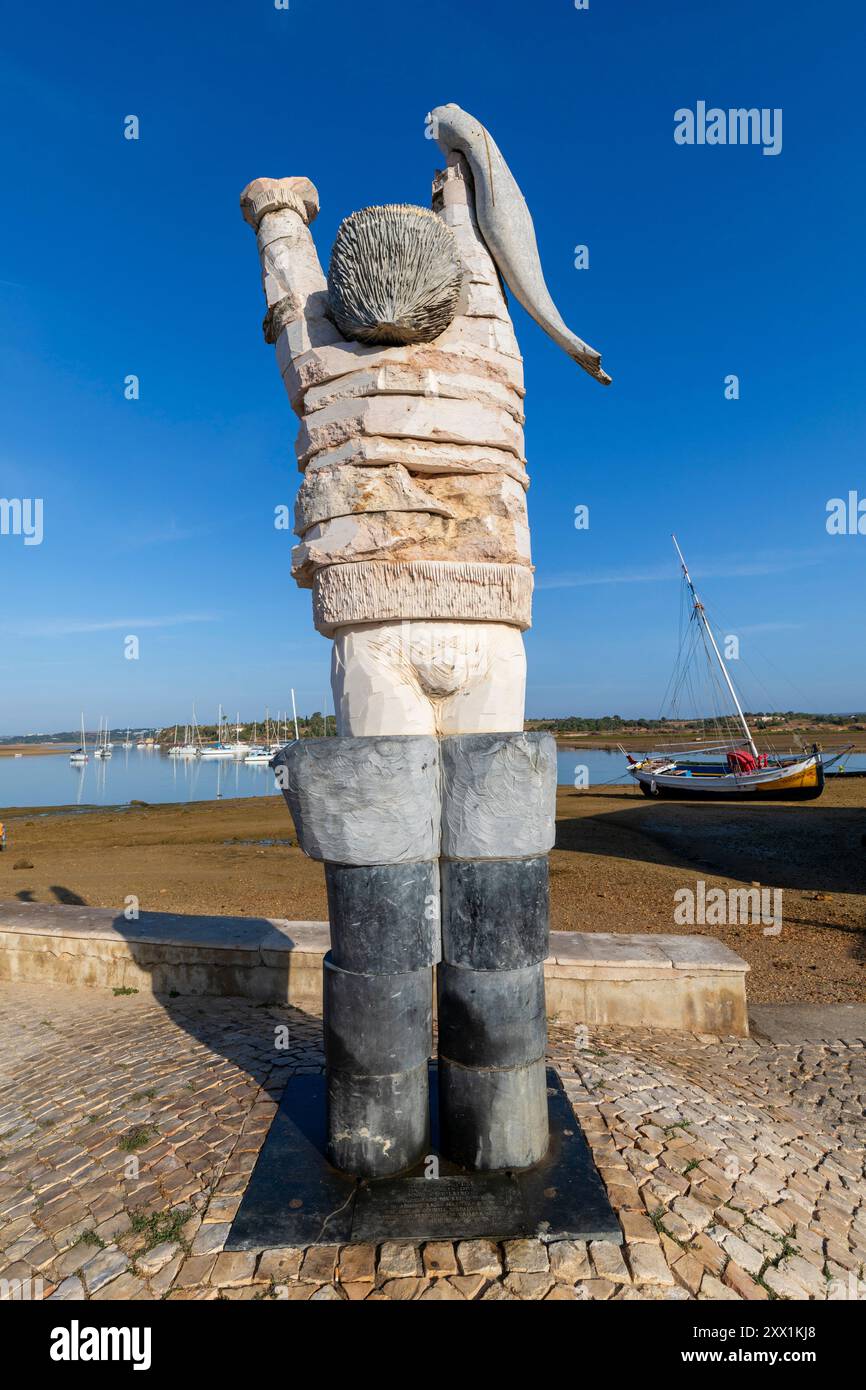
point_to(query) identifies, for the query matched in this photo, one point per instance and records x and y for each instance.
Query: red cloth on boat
(742, 761)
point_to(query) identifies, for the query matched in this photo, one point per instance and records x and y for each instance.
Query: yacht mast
(699, 609)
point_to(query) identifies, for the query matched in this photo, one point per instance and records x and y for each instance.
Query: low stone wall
(693, 983)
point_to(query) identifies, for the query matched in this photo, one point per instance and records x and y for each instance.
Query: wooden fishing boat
(730, 767)
(783, 778)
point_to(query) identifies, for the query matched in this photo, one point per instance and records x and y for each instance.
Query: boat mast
(701, 612)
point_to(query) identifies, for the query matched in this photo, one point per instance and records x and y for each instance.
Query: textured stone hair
(395, 275)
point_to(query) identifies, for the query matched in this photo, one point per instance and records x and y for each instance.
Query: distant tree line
(318, 725)
(614, 723)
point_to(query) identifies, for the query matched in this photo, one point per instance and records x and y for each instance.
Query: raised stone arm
(296, 292)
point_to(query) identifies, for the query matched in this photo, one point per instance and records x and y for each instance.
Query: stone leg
(370, 809)
(498, 808)
(378, 1013)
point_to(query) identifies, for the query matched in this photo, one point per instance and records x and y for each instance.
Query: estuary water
(141, 775)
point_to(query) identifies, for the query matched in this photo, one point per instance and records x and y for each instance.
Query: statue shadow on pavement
(293, 1195)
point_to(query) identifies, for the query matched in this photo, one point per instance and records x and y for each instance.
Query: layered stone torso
(413, 500)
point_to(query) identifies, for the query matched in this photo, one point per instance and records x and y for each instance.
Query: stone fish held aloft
(506, 225)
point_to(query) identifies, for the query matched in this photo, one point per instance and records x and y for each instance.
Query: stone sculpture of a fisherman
(432, 810)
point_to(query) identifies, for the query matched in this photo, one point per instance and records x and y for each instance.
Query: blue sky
(121, 257)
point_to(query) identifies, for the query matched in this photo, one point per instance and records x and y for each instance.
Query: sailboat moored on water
(80, 754)
(729, 766)
(103, 744)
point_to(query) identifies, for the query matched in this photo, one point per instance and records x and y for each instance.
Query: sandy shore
(33, 750)
(618, 862)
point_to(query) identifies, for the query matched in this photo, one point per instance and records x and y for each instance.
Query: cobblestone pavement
(129, 1127)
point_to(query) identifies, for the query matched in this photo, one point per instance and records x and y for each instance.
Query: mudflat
(618, 863)
(33, 750)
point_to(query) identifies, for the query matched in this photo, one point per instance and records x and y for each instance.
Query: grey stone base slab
(296, 1198)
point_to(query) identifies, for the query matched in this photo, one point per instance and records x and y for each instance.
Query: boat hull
(803, 781)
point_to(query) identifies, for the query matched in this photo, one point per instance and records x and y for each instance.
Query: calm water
(136, 775)
(130, 775)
